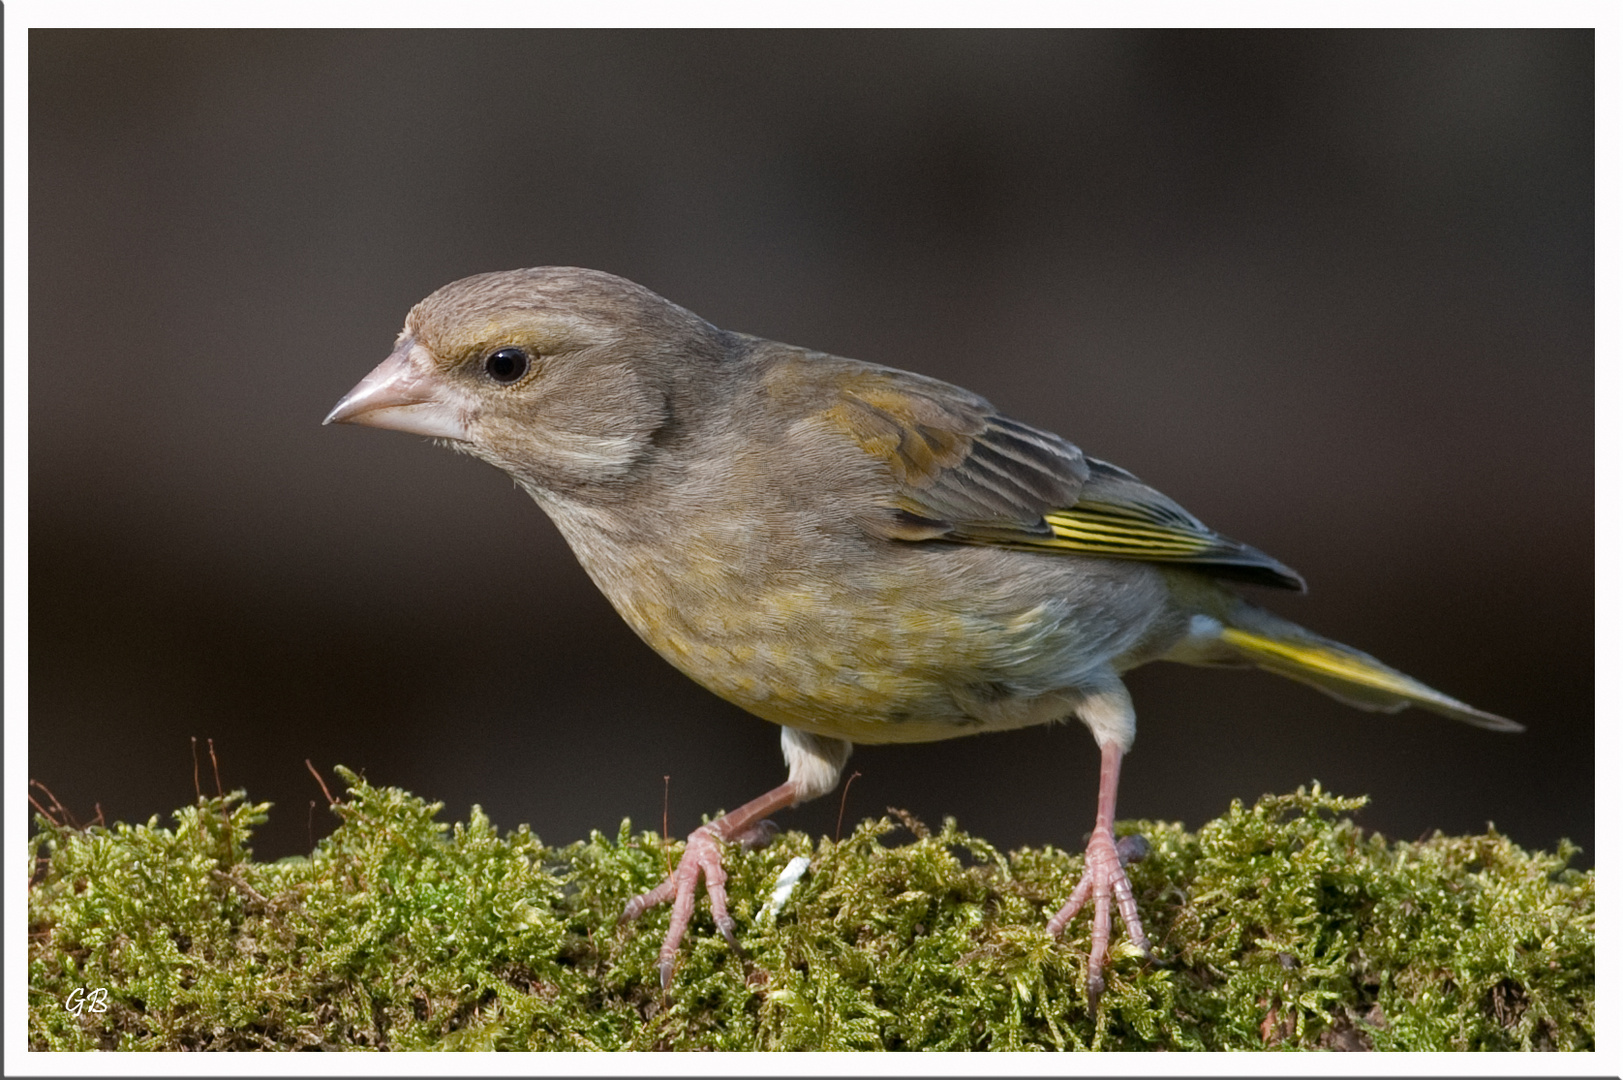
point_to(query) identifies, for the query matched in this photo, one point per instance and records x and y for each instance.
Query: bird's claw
(1105, 881)
(702, 858)
(758, 836)
(1133, 849)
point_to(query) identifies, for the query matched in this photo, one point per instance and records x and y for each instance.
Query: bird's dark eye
(507, 365)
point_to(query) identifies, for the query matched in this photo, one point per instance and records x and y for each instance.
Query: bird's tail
(1250, 635)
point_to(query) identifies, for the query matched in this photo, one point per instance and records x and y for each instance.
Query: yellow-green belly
(865, 668)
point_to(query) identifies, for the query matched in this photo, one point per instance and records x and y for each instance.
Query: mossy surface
(1279, 925)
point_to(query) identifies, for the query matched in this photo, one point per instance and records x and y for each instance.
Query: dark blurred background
(1332, 291)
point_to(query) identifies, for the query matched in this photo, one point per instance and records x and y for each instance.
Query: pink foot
(702, 859)
(1103, 880)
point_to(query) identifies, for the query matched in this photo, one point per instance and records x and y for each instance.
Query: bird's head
(558, 375)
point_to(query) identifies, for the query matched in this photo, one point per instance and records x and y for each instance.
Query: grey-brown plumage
(856, 553)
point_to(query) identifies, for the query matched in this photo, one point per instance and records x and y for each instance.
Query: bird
(856, 553)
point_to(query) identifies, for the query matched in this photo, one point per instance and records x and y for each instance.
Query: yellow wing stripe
(1109, 535)
(1325, 661)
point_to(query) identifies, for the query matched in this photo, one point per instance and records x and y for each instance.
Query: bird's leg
(702, 858)
(1104, 877)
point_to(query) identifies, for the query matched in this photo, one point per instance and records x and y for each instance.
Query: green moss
(1278, 925)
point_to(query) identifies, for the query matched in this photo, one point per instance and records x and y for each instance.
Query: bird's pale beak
(403, 393)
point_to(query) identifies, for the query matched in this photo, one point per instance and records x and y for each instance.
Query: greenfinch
(856, 553)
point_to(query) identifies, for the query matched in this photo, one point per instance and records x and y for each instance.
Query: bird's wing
(965, 473)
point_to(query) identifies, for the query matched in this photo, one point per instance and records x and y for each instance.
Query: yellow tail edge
(1351, 676)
